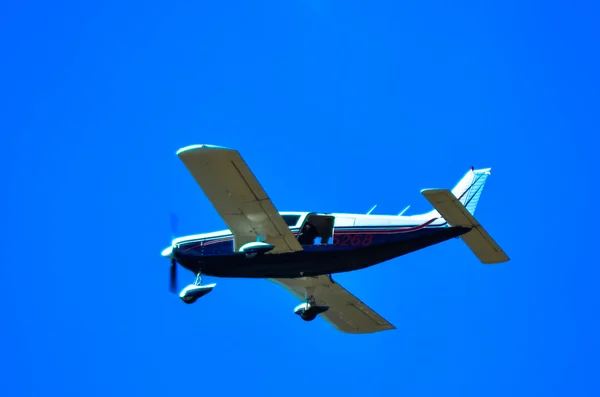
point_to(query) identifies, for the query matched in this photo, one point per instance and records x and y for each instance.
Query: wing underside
(238, 197)
(346, 312)
(248, 212)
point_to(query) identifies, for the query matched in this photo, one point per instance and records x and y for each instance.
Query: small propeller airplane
(302, 250)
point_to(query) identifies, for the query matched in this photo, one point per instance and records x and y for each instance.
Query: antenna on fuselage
(404, 210)
(372, 208)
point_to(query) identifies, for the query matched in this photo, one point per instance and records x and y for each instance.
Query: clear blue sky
(383, 99)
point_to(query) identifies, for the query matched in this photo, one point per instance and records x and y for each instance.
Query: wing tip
(193, 148)
(502, 258)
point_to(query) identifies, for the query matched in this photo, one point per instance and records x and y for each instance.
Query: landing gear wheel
(309, 310)
(308, 317)
(189, 301)
(308, 314)
(193, 292)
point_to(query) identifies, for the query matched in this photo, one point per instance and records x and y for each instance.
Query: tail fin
(469, 188)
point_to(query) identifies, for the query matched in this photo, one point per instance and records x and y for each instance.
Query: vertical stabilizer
(469, 188)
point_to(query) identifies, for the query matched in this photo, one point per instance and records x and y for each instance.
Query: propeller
(173, 278)
(173, 271)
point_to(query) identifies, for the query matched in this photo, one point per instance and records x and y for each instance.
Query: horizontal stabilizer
(456, 214)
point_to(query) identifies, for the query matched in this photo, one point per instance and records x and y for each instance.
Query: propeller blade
(173, 278)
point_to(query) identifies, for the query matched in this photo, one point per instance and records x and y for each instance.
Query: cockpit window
(291, 220)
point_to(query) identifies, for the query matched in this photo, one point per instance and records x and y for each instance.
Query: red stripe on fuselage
(396, 229)
(401, 229)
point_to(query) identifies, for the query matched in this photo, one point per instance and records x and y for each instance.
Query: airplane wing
(238, 197)
(346, 312)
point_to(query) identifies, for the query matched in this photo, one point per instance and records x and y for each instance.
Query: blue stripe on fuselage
(345, 255)
(345, 238)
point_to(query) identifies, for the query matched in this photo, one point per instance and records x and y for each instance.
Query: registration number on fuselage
(353, 240)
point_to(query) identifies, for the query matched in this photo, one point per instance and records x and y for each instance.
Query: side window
(344, 221)
(291, 220)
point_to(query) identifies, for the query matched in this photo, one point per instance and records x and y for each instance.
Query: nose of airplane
(168, 252)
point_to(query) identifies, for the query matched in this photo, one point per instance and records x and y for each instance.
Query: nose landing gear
(193, 292)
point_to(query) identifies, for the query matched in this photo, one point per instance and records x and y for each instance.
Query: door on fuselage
(317, 229)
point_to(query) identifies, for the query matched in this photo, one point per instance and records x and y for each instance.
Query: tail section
(456, 214)
(457, 207)
(469, 188)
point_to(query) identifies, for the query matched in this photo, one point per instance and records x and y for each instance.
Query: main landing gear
(309, 310)
(193, 292)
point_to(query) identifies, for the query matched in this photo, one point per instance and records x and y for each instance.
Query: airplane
(302, 250)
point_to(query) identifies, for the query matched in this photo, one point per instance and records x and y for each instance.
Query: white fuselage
(341, 220)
